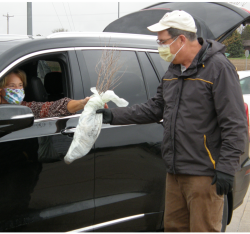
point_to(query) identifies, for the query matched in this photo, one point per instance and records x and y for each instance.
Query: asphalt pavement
(241, 216)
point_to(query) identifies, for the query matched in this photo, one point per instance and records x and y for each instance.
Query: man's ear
(183, 39)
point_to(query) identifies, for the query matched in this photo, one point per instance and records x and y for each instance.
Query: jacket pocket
(208, 151)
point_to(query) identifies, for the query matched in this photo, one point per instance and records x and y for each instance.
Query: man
(205, 128)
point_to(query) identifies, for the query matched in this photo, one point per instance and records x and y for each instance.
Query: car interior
(46, 79)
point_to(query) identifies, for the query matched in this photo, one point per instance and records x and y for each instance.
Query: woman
(12, 92)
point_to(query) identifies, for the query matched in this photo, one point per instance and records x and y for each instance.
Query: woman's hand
(76, 105)
(84, 102)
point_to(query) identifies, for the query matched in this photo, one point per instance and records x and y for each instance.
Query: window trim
(9, 67)
(115, 48)
(5, 70)
(143, 73)
(154, 66)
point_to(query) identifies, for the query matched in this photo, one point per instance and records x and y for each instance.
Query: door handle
(69, 131)
(160, 122)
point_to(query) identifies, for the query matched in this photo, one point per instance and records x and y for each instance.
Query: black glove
(106, 115)
(224, 182)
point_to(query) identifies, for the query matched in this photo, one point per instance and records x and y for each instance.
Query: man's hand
(224, 182)
(106, 114)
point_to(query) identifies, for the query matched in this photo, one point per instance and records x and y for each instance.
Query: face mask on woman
(14, 96)
(164, 52)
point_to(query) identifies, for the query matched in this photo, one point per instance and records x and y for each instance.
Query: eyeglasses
(162, 42)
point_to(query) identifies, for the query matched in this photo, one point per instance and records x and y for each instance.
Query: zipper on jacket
(173, 118)
(208, 151)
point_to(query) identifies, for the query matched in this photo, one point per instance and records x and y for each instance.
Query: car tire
(225, 215)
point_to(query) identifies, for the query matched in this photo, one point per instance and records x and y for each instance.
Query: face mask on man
(14, 96)
(164, 52)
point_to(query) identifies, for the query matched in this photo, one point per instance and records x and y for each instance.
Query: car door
(129, 170)
(39, 192)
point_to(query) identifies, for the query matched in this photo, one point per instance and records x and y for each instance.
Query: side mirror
(14, 117)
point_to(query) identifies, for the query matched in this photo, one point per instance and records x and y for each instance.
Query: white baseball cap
(176, 19)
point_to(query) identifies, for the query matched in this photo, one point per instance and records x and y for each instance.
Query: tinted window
(130, 86)
(149, 74)
(159, 63)
(245, 85)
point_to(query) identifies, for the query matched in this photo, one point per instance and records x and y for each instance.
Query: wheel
(225, 215)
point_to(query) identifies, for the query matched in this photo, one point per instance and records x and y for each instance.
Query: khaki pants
(192, 204)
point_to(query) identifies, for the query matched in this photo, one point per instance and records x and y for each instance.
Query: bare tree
(106, 69)
(59, 30)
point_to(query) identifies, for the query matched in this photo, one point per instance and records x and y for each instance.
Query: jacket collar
(197, 61)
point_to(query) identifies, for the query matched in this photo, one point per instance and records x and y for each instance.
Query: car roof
(11, 50)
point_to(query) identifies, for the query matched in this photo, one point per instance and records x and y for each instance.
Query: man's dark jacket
(204, 118)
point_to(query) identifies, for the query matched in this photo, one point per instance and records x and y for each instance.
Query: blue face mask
(14, 96)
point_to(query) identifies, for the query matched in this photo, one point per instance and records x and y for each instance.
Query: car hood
(213, 20)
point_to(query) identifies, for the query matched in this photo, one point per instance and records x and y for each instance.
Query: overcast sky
(74, 16)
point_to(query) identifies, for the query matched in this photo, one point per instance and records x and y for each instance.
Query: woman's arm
(76, 105)
(62, 107)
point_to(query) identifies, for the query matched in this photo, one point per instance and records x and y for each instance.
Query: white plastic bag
(90, 124)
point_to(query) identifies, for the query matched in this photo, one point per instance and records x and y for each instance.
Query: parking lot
(240, 221)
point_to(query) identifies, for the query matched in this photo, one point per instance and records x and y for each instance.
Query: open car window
(45, 81)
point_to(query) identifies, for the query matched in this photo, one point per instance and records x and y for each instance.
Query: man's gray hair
(174, 32)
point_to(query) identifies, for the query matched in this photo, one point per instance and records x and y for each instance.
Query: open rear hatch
(213, 20)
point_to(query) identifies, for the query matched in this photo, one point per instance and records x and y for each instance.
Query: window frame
(74, 91)
(154, 65)
(143, 71)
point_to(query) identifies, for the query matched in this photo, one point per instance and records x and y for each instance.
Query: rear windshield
(245, 85)
(210, 13)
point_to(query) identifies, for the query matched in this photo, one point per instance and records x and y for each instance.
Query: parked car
(119, 185)
(121, 180)
(245, 85)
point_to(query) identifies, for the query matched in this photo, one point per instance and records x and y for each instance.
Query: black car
(120, 184)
